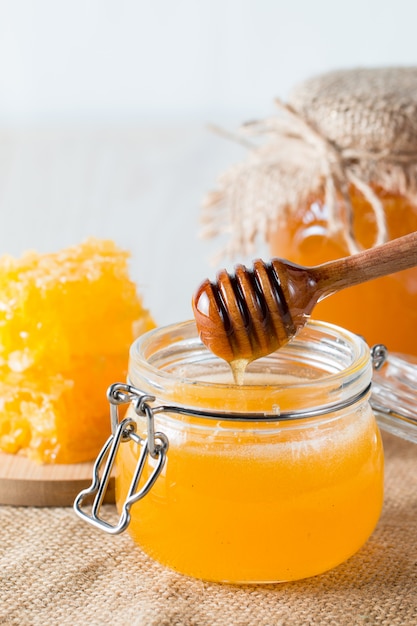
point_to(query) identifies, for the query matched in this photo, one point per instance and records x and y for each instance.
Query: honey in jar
(278, 479)
(334, 172)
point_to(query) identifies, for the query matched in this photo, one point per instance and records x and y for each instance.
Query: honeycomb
(66, 323)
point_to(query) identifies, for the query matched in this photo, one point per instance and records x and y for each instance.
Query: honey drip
(238, 368)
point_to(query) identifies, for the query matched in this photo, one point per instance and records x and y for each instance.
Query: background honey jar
(334, 172)
(382, 311)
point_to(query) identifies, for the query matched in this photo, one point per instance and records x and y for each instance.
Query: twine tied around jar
(351, 128)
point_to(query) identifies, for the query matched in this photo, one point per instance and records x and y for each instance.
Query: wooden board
(25, 483)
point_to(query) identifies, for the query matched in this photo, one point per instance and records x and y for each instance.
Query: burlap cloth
(55, 569)
(346, 128)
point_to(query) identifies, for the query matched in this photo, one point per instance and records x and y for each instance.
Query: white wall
(104, 106)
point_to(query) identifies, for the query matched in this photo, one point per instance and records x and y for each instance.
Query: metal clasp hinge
(155, 445)
(379, 355)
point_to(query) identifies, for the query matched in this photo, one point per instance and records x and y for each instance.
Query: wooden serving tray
(25, 483)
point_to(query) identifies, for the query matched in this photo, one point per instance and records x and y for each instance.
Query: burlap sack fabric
(344, 128)
(55, 569)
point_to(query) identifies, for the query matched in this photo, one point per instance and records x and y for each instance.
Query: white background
(104, 107)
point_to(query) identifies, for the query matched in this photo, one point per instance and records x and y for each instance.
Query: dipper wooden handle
(256, 311)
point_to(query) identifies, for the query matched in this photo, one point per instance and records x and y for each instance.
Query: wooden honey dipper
(252, 313)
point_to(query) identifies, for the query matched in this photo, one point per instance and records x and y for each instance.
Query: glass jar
(383, 310)
(275, 480)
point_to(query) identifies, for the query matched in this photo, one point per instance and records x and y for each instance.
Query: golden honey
(383, 310)
(241, 499)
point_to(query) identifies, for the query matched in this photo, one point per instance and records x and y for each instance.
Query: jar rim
(346, 372)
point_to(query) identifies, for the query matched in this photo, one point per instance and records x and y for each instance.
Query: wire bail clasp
(155, 445)
(379, 355)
